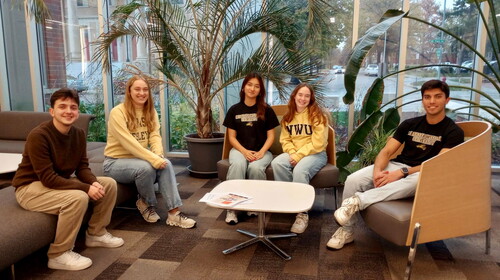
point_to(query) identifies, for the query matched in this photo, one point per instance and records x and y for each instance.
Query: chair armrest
(453, 193)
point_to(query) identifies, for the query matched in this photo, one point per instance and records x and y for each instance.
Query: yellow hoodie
(300, 138)
(123, 143)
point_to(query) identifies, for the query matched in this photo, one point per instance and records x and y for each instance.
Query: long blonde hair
(316, 114)
(148, 110)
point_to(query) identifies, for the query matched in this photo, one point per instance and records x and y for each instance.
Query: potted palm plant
(202, 47)
(374, 112)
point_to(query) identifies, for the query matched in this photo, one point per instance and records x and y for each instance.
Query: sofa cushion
(327, 176)
(16, 125)
(390, 218)
(23, 232)
(276, 148)
(95, 154)
(12, 146)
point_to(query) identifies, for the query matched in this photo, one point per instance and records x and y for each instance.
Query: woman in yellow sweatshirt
(304, 135)
(134, 154)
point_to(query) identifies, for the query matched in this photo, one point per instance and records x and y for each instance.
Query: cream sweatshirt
(300, 138)
(123, 143)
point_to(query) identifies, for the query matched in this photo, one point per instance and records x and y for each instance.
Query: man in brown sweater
(54, 178)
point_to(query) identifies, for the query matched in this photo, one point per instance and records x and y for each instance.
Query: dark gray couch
(24, 232)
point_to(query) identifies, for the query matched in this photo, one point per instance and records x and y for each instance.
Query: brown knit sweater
(52, 157)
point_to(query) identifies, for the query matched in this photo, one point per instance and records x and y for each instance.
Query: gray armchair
(452, 198)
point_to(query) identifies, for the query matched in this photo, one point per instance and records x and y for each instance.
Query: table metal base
(262, 237)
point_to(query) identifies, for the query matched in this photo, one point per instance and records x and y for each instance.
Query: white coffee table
(267, 197)
(9, 162)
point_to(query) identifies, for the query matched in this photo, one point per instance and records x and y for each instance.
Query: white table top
(269, 196)
(9, 162)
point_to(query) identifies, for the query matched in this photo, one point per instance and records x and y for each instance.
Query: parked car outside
(337, 69)
(371, 70)
(446, 68)
(487, 70)
(467, 63)
(77, 84)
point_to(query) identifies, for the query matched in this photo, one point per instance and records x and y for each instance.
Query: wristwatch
(405, 172)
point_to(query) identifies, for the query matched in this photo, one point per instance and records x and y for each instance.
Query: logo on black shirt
(427, 139)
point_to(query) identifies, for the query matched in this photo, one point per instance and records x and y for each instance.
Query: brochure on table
(225, 199)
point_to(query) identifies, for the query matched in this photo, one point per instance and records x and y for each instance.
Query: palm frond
(35, 8)
(200, 45)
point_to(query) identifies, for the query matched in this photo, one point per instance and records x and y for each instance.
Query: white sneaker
(349, 207)
(107, 240)
(252, 214)
(180, 220)
(231, 217)
(148, 212)
(69, 260)
(300, 224)
(341, 237)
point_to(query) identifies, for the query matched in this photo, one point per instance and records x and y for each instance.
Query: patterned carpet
(157, 251)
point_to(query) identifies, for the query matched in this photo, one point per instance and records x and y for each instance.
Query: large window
(17, 62)
(65, 52)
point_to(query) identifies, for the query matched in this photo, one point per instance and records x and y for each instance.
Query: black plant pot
(204, 153)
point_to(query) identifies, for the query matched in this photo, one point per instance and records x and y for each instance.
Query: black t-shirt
(424, 141)
(251, 132)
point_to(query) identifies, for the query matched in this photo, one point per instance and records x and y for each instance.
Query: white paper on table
(225, 199)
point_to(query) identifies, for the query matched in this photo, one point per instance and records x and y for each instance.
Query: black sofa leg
(488, 242)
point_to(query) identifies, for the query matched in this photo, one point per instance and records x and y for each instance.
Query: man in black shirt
(423, 137)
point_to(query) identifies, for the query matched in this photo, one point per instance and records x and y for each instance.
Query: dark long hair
(261, 99)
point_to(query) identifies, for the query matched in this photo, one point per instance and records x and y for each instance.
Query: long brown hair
(261, 98)
(316, 114)
(147, 109)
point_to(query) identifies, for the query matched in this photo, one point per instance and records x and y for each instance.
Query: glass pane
(428, 46)
(488, 86)
(65, 59)
(383, 58)
(16, 48)
(129, 56)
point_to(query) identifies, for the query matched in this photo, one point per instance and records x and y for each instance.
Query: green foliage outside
(97, 128)
(180, 125)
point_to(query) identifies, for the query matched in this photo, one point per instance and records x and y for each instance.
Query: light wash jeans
(360, 183)
(305, 169)
(241, 168)
(144, 175)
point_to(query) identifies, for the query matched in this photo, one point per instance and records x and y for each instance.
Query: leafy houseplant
(200, 46)
(373, 144)
(372, 108)
(203, 46)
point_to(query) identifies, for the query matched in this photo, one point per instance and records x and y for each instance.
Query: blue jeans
(144, 175)
(305, 169)
(240, 168)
